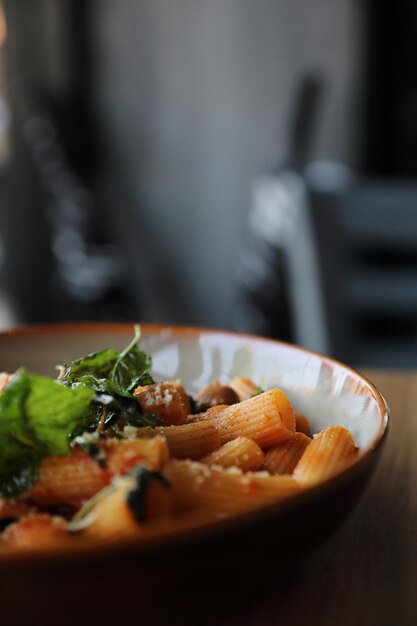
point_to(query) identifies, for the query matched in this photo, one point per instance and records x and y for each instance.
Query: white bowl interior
(324, 391)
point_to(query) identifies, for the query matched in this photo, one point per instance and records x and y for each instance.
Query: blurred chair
(367, 244)
(348, 259)
(279, 269)
(285, 275)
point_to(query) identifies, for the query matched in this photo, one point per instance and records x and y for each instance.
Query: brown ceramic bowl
(107, 582)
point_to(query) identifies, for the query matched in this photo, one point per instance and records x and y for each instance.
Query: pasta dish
(106, 452)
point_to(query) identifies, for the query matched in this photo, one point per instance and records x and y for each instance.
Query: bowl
(215, 559)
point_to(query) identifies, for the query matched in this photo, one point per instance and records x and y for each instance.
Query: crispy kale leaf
(112, 375)
(110, 371)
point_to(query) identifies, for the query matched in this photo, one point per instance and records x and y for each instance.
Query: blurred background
(228, 163)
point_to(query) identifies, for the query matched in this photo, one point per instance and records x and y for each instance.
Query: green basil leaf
(37, 415)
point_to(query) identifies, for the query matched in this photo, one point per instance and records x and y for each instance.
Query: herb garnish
(40, 417)
(137, 498)
(36, 416)
(111, 371)
(112, 376)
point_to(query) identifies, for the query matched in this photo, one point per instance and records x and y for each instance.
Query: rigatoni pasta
(228, 491)
(241, 452)
(331, 450)
(191, 441)
(266, 418)
(302, 424)
(37, 531)
(78, 476)
(244, 388)
(68, 480)
(283, 457)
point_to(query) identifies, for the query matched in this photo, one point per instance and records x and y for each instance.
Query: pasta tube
(13, 508)
(77, 477)
(267, 418)
(196, 485)
(243, 387)
(302, 424)
(190, 441)
(331, 450)
(283, 458)
(37, 531)
(240, 452)
(68, 479)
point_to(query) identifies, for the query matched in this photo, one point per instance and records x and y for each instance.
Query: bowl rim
(212, 528)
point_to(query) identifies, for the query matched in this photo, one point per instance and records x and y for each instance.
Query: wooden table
(366, 574)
